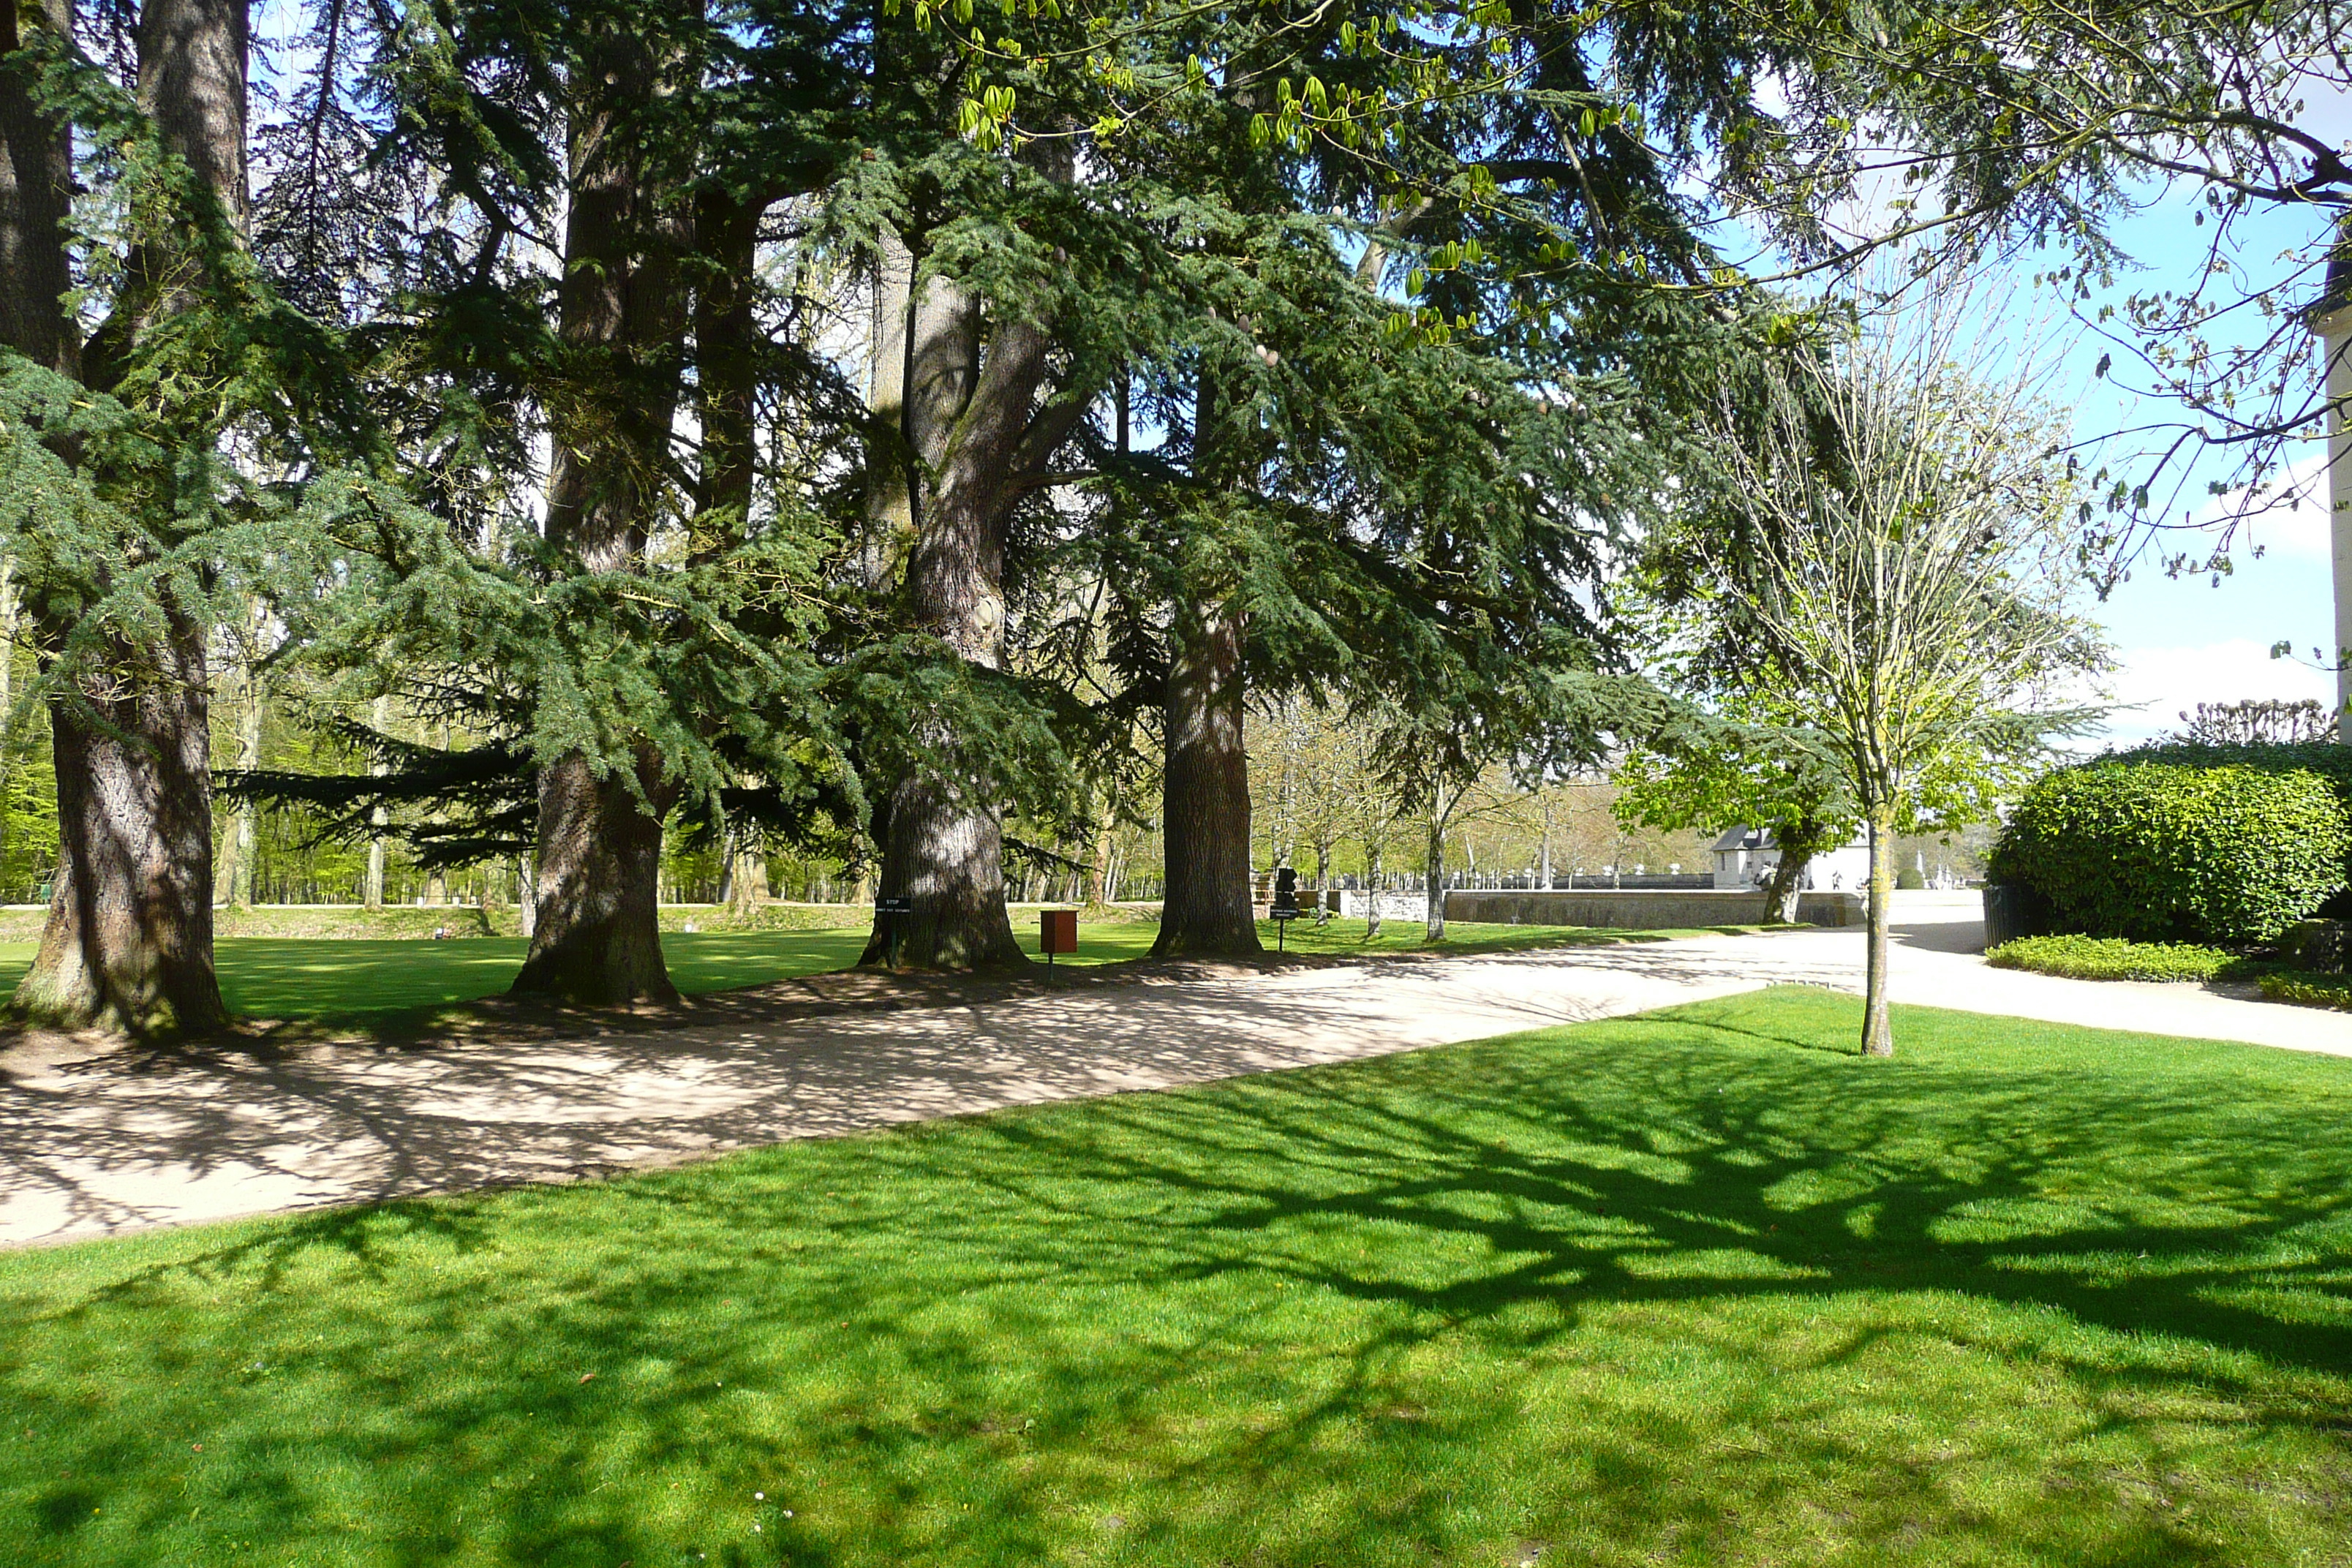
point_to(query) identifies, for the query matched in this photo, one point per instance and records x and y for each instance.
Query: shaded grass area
(1699, 1286)
(337, 980)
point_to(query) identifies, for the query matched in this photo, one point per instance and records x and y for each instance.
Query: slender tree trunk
(597, 936)
(128, 945)
(889, 493)
(36, 191)
(1103, 890)
(527, 893)
(7, 670)
(727, 367)
(1204, 799)
(1436, 865)
(1546, 872)
(242, 825)
(1371, 888)
(1097, 887)
(1877, 1027)
(371, 892)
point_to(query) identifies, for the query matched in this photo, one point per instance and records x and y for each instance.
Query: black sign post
(1285, 906)
(890, 910)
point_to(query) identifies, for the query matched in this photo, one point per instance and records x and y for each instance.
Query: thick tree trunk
(1206, 798)
(1877, 1027)
(128, 946)
(128, 943)
(1798, 842)
(750, 876)
(596, 934)
(945, 849)
(597, 938)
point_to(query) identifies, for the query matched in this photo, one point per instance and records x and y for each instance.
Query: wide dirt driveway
(95, 1144)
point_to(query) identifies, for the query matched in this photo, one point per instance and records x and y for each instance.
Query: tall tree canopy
(890, 426)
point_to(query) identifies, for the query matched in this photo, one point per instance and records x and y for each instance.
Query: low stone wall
(1643, 909)
(1392, 906)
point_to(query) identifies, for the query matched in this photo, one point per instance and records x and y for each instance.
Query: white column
(2335, 331)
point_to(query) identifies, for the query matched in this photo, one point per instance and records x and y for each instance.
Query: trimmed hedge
(2323, 758)
(2310, 990)
(2112, 958)
(2168, 852)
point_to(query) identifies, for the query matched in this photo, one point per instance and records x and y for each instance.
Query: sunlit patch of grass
(1698, 1287)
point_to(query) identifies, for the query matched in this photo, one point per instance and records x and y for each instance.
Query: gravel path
(93, 1145)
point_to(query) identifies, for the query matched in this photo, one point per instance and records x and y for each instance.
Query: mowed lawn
(354, 980)
(1698, 1287)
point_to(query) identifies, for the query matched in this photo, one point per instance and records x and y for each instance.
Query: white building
(1745, 856)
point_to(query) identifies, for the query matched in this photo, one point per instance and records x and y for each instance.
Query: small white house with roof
(1745, 858)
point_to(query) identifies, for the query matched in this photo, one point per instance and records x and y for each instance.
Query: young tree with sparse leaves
(1906, 554)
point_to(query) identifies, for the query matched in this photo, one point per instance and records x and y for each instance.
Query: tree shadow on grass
(1663, 1287)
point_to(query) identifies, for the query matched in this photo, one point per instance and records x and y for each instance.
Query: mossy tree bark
(1799, 839)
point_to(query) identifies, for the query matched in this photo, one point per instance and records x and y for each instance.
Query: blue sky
(2201, 637)
(2194, 639)
(2181, 641)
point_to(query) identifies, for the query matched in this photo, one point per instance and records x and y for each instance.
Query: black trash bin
(2012, 909)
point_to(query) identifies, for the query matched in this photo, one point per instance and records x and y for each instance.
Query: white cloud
(2155, 686)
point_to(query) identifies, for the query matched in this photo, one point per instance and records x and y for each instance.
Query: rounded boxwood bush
(2325, 758)
(2158, 852)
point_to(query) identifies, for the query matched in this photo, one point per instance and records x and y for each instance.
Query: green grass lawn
(1693, 1288)
(354, 980)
